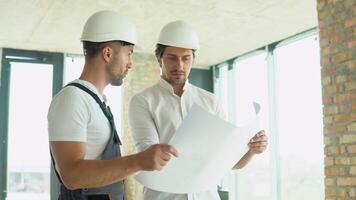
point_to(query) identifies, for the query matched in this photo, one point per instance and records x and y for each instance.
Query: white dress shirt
(154, 116)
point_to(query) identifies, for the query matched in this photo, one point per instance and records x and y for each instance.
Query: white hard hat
(109, 25)
(179, 34)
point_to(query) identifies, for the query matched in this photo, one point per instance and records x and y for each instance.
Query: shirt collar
(163, 83)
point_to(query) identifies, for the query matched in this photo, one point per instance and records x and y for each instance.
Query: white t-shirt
(74, 115)
(154, 116)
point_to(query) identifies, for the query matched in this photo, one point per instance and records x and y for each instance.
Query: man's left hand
(258, 143)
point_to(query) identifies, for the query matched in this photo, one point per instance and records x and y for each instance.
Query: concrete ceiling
(227, 28)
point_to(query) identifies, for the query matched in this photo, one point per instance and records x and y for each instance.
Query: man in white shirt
(83, 139)
(156, 113)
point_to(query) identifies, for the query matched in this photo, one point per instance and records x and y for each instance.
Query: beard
(116, 77)
(177, 81)
(170, 78)
(117, 81)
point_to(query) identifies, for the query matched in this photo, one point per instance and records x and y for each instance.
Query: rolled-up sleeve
(141, 123)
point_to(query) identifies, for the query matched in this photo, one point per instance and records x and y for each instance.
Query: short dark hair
(91, 49)
(161, 47)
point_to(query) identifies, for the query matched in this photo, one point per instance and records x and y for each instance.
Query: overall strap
(106, 109)
(91, 93)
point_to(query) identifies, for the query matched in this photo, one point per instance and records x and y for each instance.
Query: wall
(337, 24)
(144, 74)
(202, 78)
(0, 63)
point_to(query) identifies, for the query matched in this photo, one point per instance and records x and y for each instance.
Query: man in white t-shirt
(156, 113)
(83, 139)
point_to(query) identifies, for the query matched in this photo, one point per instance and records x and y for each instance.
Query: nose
(180, 64)
(130, 64)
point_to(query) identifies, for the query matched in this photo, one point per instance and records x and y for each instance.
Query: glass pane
(222, 86)
(254, 181)
(300, 120)
(221, 92)
(74, 67)
(28, 151)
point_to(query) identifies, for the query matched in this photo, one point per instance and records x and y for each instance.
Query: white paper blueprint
(208, 149)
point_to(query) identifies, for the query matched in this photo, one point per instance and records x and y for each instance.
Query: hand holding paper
(208, 148)
(156, 157)
(258, 143)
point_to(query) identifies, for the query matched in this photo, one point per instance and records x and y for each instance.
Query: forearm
(98, 173)
(244, 160)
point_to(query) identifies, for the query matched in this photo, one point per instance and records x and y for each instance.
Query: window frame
(272, 72)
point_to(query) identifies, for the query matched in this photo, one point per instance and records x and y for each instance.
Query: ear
(107, 53)
(159, 60)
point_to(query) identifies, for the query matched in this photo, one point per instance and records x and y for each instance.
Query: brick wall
(337, 24)
(144, 74)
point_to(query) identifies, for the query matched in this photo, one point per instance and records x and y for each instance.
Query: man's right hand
(156, 157)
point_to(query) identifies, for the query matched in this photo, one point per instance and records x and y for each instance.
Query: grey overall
(112, 151)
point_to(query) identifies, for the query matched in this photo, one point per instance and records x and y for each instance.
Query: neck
(177, 87)
(94, 74)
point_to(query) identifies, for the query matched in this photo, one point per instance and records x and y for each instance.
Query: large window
(28, 81)
(300, 119)
(251, 85)
(285, 81)
(28, 167)
(222, 86)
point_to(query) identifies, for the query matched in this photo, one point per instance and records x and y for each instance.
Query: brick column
(337, 24)
(144, 74)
